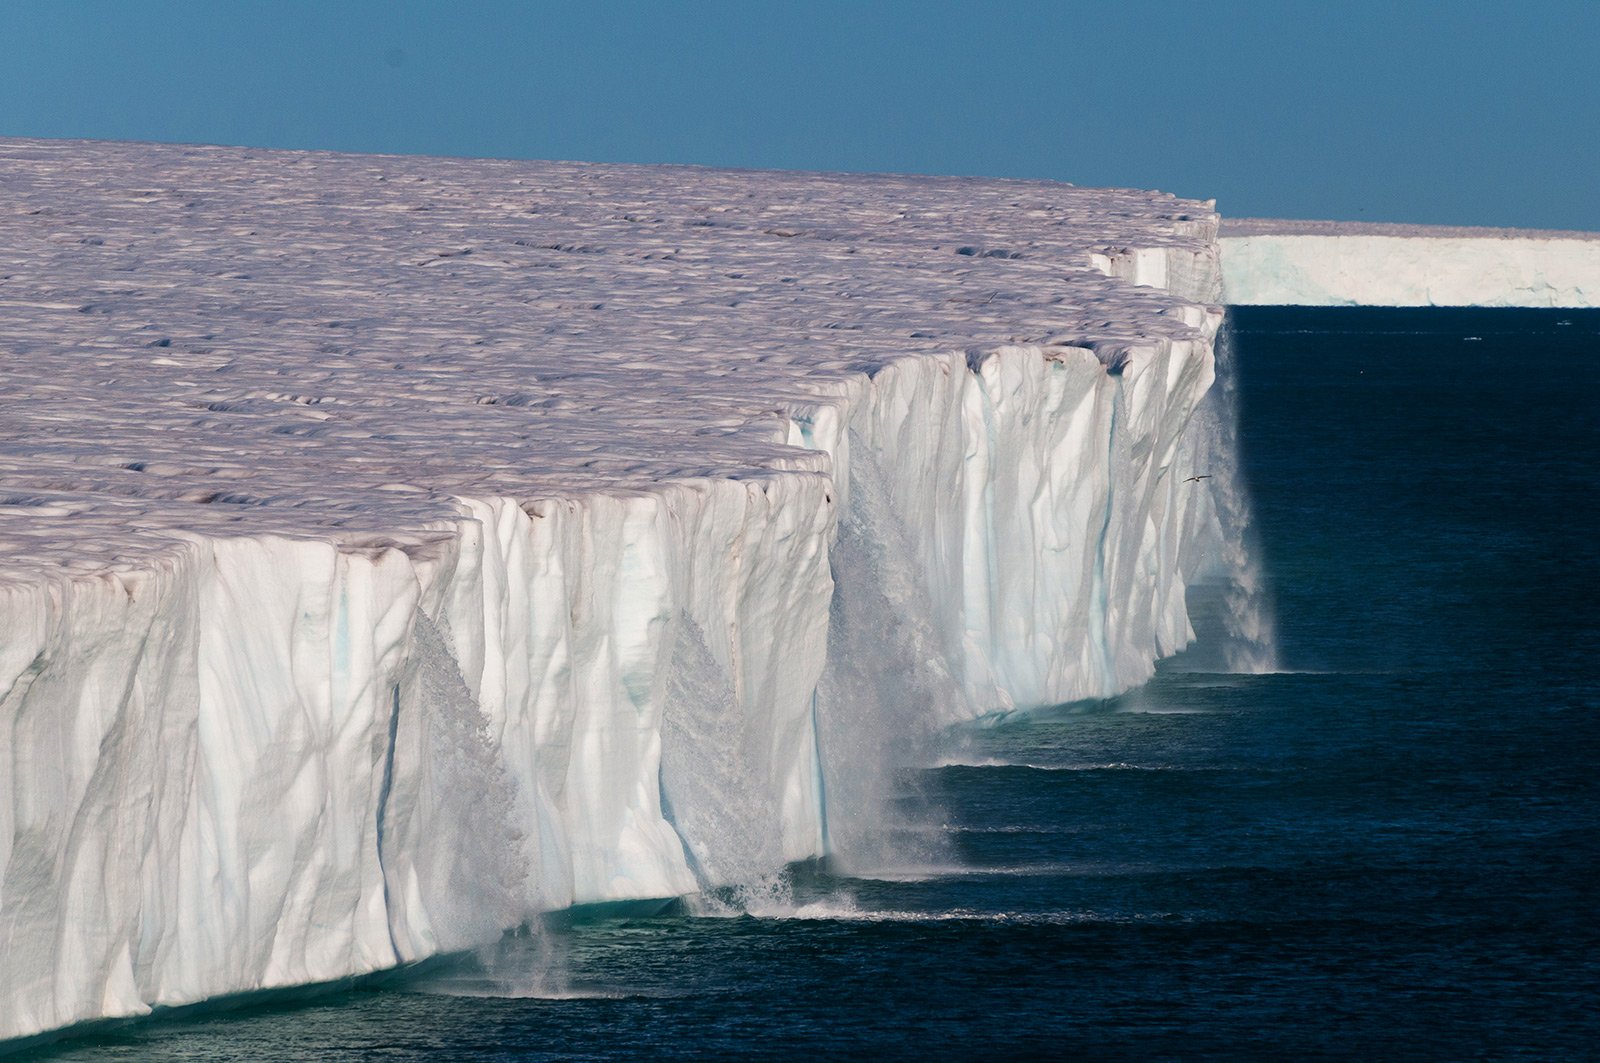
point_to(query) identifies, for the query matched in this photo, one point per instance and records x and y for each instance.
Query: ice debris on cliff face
(394, 547)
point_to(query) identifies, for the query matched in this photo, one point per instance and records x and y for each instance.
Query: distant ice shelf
(1311, 263)
(392, 548)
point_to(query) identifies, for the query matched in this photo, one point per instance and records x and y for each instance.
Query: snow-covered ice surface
(394, 547)
(1322, 263)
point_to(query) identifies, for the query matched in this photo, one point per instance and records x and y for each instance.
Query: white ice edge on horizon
(1306, 263)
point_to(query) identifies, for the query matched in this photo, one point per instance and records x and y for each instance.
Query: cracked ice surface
(364, 522)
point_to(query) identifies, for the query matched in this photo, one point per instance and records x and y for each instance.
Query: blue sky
(1467, 112)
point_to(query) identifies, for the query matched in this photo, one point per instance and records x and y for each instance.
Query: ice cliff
(396, 547)
(1311, 263)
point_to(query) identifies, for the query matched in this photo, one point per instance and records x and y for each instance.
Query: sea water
(1386, 847)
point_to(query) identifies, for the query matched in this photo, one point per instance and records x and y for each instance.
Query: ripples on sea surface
(1388, 852)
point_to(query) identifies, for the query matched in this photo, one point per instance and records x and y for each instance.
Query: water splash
(1230, 555)
(763, 896)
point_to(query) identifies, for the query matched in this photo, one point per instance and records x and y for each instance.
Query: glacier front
(398, 547)
(1268, 261)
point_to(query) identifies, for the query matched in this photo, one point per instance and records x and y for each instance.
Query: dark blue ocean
(1386, 850)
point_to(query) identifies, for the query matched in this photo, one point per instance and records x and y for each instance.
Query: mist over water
(1381, 847)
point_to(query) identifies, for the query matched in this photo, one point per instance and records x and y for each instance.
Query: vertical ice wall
(294, 719)
(1321, 263)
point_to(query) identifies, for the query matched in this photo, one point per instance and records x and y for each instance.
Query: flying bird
(1194, 479)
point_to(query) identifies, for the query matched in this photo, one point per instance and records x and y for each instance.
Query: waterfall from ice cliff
(887, 688)
(397, 596)
(1245, 635)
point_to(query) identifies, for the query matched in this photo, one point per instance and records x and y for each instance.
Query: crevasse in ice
(397, 547)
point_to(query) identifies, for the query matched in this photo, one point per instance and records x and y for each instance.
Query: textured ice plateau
(1322, 263)
(392, 548)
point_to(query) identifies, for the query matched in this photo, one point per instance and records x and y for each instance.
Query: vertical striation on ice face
(397, 547)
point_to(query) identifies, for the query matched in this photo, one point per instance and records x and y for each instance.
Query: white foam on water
(995, 762)
(1014, 828)
(848, 911)
(948, 871)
